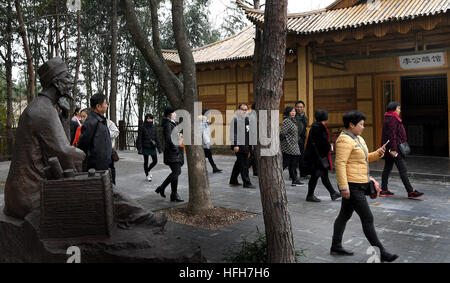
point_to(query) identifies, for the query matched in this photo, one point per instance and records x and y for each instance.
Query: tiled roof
(376, 12)
(238, 46)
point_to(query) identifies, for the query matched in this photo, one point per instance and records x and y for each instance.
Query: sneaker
(386, 193)
(149, 177)
(297, 183)
(415, 194)
(249, 186)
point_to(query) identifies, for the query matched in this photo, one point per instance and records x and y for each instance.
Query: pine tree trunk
(9, 107)
(114, 39)
(30, 71)
(56, 29)
(77, 67)
(269, 90)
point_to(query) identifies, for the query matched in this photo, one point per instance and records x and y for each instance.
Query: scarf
(329, 154)
(393, 114)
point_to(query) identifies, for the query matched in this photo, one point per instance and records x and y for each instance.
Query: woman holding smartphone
(352, 173)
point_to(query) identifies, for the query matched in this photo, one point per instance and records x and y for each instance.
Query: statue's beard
(64, 86)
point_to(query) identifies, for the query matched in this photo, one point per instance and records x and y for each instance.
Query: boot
(340, 251)
(217, 170)
(175, 197)
(337, 249)
(335, 196)
(160, 191)
(312, 198)
(388, 257)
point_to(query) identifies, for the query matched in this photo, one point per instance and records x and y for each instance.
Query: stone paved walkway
(418, 230)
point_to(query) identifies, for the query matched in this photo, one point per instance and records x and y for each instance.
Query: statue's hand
(79, 154)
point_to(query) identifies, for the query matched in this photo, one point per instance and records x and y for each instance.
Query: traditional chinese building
(350, 55)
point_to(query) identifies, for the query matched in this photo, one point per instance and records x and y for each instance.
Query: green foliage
(254, 252)
(234, 20)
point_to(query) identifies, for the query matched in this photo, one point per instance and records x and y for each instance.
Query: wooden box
(78, 206)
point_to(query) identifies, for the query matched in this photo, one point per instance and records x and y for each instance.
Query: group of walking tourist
(311, 156)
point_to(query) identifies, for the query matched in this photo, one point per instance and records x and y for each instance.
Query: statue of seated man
(39, 136)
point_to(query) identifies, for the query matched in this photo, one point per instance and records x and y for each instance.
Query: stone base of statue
(20, 242)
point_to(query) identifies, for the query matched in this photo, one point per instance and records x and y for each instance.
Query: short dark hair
(85, 110)
(321, 115)
(97, 98)
(204, 111)
(287, 110)
(353, 117)
(168, 111)
(240, 105)
(392, 106)
(149, 115)
(300, 101)
(253, 106)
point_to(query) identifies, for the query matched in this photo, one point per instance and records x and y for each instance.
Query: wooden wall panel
(290, 71)
(366, 107)
(212, 90)
(290, 91)
(231, 94)
(333, 83)
(364, 87)
(216, 76)
(338, 100)
(244, 74)
(242, 93)
(368, 137)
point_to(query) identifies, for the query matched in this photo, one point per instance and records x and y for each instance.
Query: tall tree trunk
(268, 92)
(114, 39)
(77, 67)
(9, 107)
(50, 46)
(198, 180)
(23, 33)
(180, 95)
(56, 29)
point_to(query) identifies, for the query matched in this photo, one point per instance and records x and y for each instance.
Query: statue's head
(54, 73)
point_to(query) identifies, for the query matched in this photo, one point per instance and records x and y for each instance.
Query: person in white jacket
(206, 140)
(114, 133)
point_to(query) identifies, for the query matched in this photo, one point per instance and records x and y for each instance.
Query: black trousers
(147, 168)
(301, 144)
(253, 162)
(113, 172)
(325, 181)
(172, 179)
(357, 202)
(401, 166)
(241, 167)
(291, 162)
(208, 154)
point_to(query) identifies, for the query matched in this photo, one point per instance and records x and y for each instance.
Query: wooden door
(387, 89)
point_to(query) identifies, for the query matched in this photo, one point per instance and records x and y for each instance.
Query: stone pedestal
(20, 242)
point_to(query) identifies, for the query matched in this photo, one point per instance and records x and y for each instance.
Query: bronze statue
(39, 136)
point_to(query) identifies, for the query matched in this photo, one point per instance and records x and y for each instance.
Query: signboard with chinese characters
(422, 61)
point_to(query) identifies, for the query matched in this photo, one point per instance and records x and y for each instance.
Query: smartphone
(386, 143)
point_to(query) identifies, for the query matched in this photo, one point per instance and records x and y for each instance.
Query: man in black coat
(302, 123)
(240, 144)
(95, 140)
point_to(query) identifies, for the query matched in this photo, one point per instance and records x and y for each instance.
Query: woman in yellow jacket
(352, 173)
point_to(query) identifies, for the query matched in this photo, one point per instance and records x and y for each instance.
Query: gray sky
(218, 7)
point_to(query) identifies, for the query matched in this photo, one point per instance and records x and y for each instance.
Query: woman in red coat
(394, 132)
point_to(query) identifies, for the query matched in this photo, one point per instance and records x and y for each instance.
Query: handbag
(404, 148)
(114, 155)
(323, 160)
(373, 189)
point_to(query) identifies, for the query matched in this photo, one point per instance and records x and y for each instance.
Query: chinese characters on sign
(422, 61)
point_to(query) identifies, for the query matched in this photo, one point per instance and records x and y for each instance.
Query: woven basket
(78, 206)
